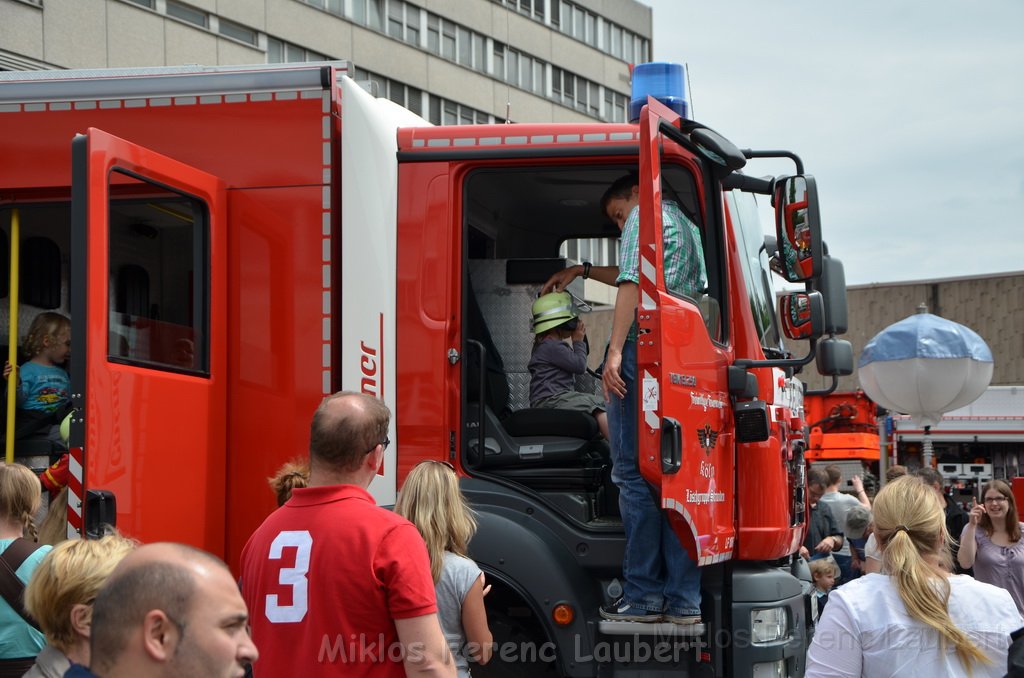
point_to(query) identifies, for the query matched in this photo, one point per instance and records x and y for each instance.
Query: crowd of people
(332, 584)
(383, 593)
(368, 591)
(910, 605)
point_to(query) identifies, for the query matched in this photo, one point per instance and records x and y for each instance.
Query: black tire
(520, 643)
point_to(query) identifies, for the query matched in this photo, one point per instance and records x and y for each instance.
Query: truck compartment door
(685, 439)
(149, 361)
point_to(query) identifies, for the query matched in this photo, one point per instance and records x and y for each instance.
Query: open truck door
(149, 365)
(684, 432)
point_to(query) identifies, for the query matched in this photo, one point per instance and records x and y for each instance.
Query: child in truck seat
(44, 388)
(554, 363)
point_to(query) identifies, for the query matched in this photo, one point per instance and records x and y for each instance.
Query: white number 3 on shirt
(295, 577)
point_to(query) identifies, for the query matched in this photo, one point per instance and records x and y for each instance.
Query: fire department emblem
(707, 437)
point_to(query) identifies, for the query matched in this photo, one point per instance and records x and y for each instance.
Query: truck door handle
(481, 411)
(671, 446)
(100, 512)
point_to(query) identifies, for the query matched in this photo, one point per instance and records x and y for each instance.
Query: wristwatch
(586, 269)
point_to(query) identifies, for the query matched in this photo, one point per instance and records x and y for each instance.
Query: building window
(598, 251)
(479, 53)
(279, 52)
(145, 3)
(237, 31)
(446, 112)
(531, 8)
(332, 6)
(521, 70)
(379, 86)
(448, 40)
(615, 106)
(404, 22)
(465, 47)
(186, 13)
(369, 13)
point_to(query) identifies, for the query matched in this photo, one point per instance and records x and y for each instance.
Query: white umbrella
(925, 366)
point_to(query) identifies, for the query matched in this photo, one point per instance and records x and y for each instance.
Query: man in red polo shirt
(337, 585)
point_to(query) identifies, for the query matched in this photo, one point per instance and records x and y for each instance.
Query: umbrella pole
(926, 457)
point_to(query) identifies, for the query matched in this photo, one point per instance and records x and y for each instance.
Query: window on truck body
(159, 273)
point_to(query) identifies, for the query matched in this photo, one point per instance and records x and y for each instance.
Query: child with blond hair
(824, 572)
(432, 501)
(20, 498)
(44, 388)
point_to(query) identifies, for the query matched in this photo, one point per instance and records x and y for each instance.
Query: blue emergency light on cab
(664, 81)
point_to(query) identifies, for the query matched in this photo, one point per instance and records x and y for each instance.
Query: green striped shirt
(685, 274)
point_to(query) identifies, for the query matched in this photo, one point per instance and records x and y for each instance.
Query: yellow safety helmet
(551, 310)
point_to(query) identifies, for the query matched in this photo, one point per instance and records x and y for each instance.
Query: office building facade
(451, 61)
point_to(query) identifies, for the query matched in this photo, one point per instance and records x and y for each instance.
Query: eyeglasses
(384, 444)
(995, 500)
(437, 461)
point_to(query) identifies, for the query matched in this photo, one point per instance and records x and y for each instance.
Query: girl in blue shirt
(43, 384)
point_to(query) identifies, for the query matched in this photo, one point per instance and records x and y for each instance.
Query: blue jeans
(659, 574)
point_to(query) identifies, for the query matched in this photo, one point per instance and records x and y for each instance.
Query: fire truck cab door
(149, 359)
(684, 437)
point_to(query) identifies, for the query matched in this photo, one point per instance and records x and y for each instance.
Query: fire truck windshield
(754, 261)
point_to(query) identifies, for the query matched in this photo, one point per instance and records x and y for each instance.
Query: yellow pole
(12, 338)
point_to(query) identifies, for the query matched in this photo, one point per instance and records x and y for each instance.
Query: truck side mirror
(798, 227)
(832, 285)
(835, 357)
(803, 315)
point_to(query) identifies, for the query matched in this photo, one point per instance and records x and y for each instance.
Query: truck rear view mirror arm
(823, 391)
(751, 154)
(748, 184)
(783, 363)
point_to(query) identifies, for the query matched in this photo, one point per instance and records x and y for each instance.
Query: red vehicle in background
(844, 431)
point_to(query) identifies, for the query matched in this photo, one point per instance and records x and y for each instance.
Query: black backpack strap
(11, 587)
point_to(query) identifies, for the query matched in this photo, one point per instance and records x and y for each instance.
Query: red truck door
(149, 336)
(685, 436)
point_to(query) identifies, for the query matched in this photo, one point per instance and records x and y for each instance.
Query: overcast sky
(910, 114)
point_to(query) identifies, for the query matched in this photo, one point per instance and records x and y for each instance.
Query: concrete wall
(992, 306)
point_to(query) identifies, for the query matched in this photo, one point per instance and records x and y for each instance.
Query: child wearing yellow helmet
(554, 363)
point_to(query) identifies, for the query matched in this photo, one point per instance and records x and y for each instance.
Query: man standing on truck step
(661, 582)
(338, 586)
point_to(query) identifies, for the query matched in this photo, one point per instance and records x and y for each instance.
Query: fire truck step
(627, 628)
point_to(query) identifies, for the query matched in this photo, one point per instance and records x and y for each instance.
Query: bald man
(169, 610)
(337, 585)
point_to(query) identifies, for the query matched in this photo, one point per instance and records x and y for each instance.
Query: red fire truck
(233, 243)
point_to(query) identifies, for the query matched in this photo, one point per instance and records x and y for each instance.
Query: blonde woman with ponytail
(432, 501)
(913, 618)
(20, 497)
